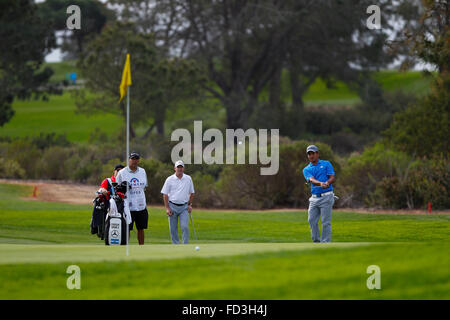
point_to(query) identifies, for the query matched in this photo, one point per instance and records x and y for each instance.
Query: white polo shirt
(178, 189)
(138, 182)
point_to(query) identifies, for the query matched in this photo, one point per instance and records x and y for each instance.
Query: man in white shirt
(137, 178)
(178, 193)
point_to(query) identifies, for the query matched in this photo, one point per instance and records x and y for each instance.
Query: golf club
(192, 221)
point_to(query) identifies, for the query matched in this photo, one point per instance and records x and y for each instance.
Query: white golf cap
(312, 148)
(179, 163)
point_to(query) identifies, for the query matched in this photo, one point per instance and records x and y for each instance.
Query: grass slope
(251, 255)
(58, 115)
(62, 70)
(340, 94)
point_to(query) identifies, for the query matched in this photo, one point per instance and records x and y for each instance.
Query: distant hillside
(390, 80)
(62, 69)
(58, 115)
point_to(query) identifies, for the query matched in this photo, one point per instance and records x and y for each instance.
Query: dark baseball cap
(135, 155)
(312, 148)
(118, 167)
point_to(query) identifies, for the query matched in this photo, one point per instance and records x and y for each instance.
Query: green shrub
(362, 172)
(427, 180)
(52, 164)
(423, 129)
(25, 154)
(157, 173)
(46, 140)
(107, 170)
(11, 169)
(242, 186)
(382, 177)
(206, 193)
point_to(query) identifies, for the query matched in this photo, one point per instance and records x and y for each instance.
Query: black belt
(181, 204)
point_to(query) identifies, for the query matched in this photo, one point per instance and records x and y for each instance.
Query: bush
(426, 181)
(157, 173)
(206, 193)
(46, 140)
(11, 169)
(242, 186)
(87, 171)
(52, 164)
(25, 154)
(212, 170)
(423, 128)
(381, 177)
(76, 163)
(361, 173)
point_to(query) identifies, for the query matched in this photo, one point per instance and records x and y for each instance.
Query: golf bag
(99, 212)
(118, 217)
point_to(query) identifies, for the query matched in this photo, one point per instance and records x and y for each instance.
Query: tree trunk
(149, 130)
(233, 117)
(275, 99)
(234, 106)
(297, 92)
(275, 88)
(298, 111)
(160, 117)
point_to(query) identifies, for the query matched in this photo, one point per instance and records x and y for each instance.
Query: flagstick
(128, 152)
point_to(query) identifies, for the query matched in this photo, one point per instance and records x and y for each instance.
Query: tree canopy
(162, 82)
(25, 40)
(424, 128)
(245, 45)
(94, 16)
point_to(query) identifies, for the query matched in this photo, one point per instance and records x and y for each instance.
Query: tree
(424, 128)
(427, 39)
(159, 83)
(25, 40)
(94, 16)
(330, 40)
(246, 45)
(161, 18)
(239, 43)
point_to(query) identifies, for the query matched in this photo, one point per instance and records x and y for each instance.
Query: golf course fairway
(243, 255)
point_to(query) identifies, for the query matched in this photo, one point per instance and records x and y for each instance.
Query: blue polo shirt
(320, 172)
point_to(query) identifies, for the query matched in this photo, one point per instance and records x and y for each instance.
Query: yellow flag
(126, 78)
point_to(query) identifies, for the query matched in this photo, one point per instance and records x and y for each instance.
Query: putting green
(38, 253)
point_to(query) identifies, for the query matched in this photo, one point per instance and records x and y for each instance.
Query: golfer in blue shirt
(320, 174)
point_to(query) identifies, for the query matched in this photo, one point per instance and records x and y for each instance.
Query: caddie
(320, 174)
(106, 187)
(137, 179)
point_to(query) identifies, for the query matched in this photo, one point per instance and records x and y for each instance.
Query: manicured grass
(59, 114)
(56, 115)
(412, 82)
(318, 94)
(409, 81)
(324, 273)
(243, 255)
(62, 68)
(65, 223)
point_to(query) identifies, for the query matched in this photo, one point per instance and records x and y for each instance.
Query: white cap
(179, 163)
